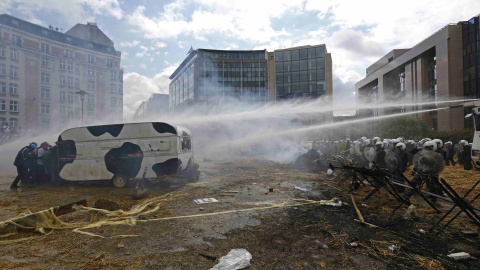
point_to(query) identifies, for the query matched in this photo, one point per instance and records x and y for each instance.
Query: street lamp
(82, 97)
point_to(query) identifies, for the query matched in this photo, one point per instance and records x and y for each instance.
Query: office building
(156, 105)
(42, 69)
(444, 66)
(303, 72)
(216, 77)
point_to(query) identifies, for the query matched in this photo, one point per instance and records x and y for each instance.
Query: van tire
(120, 181)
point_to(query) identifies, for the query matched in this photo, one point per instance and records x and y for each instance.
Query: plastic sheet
(428, 162)
(235, 259)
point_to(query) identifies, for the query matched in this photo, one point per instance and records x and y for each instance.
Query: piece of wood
(360, 217)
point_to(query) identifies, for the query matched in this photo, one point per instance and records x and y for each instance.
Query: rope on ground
(99, 217)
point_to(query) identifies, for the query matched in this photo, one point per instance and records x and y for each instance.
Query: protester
(40, 173)
(25, 163)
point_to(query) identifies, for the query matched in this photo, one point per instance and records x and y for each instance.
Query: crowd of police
(35, 165)
(427, 156)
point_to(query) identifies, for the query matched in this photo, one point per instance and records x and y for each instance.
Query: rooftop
(52, 34)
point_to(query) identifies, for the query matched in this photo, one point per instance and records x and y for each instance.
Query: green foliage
(454, 136)
(408, 127)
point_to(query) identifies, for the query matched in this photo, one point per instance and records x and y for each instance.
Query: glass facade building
(300, 72)
(217, 77)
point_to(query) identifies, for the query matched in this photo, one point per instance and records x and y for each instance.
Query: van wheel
(120, 181)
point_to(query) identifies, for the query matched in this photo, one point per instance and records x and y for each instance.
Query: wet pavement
(303, 237)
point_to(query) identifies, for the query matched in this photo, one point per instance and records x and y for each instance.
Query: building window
(3, 120)
(45, 108)
(91, 59)
(13, 106)
(91, 86)
(63, 111)
(3, 105)
(45, 48)
(70, 81)
(77, 83)
(3, 70)
(16, 40)
(14, 89)
(3, 52)
(14, 71)
(62, 65)
(45, 77)
(113, 89)
(45, 62)
(45, 122)
(45, 93)
(62, 95)
(69, 112)
(90, 111)
(77, 113)
(13, 54)
(120, 89)
(91, 71)
(113, 74)
(68, 54)
(113, 101)
(70, 97)
(62, 80)
(3, 87)
(77, 68)
(70, 66)
(109, 63)
(13, 122)
(91, 99)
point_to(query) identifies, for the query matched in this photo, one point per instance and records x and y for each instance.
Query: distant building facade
(303, 72)
(445, 65)
(216, 77)
(156, 105)
(41, 69)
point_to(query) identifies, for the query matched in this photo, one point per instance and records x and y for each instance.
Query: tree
(404, 126)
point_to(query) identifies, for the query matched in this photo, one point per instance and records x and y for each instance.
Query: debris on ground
(411, 212)
(106, 205)
(235, 259)
(470, 233)
(392, 248)
(459, 256)
(206, 200)
(301, 188)
(210, 257)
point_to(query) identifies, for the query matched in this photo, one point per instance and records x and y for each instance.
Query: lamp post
(82, 97)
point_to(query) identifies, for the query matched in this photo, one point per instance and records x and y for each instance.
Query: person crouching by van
(25, 163)
(40, 176)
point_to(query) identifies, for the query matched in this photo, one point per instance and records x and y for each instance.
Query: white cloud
(248, 20)
(73, 12)
(138, 88)
(129, 44)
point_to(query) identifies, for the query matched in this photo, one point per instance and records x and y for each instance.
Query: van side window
(186, 143)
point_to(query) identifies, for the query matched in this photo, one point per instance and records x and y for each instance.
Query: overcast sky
(154, 36)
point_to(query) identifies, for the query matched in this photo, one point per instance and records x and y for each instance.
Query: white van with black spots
(123, 152)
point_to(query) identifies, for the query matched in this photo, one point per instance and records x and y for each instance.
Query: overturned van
(124, 151)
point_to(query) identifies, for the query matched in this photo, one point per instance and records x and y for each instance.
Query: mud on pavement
(294, 237)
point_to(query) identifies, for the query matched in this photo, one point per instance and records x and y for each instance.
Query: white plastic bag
(235, 259)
